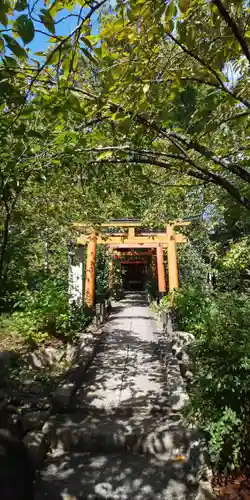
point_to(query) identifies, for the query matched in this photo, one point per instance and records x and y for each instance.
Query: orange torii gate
(131, 236)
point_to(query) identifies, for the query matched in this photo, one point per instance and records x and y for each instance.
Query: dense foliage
(217, 313)
(43, 312)
(132, 109)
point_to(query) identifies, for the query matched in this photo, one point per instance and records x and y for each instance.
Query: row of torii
(115, 240)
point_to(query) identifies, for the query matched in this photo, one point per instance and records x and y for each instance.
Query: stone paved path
(128, 371)
(123, 437)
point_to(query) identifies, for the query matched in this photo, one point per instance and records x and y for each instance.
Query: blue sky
(40, 41)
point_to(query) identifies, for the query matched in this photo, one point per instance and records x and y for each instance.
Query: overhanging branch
(210, 69)
(234, 27)
(202, 174)
(184, 144)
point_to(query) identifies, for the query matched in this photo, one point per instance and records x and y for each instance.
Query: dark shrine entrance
(134, 275)
(135, 267)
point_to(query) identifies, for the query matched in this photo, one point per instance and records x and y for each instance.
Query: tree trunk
(4, 244)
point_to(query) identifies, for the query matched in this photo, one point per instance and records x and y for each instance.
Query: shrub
(220, 398)
(194, 270)
(220, 393)
(190, 305)
(73, 321)
(28, 325)
(102, 273)
(45, 312)
(234, 267)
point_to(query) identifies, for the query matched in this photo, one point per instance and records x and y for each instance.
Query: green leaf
(93, 39)
(35, 133)
(145, 88)
(169, 26)
(104, 50)
(66, 65)
(74, 102)
(10, 61)
(166, 123)
(214, 15)
(25, 28)
(3, 18)
(170, 11)
(14, 46)
(89, 56)
(87, 42)
(105, 155)
(55, 57)
(60, 138)
(130, 15)
(55, 7)
(47, 20)
(20, 5)
(247, 34)
(1, 44)
(184, 5)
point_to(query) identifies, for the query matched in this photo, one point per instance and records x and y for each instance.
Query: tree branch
(232, 24)
(226, 120)
(204, 175)
(230, 166)
(209, 68)
(177, 139)
(199, 148)
(130, 149)
(57, 48)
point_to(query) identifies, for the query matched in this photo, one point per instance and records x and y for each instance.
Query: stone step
(123, 409)
(89, 476)
(163, 437)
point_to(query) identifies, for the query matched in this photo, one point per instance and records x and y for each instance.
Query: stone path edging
(38, 441)
(176, 343)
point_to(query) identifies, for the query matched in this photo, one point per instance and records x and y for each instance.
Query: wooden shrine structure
(126, 238)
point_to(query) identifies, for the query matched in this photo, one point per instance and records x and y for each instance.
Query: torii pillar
(173, 277)
(111, 273)
(161, 269)
(89, 296)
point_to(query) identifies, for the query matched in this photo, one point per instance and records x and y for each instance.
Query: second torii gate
(132, 237)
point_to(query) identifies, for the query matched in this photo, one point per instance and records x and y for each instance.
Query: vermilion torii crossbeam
(128, 239)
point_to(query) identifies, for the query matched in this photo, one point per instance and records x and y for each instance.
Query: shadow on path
(114, 477)
(122, 440)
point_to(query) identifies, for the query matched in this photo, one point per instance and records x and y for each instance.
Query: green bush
(234, 267)
(45, 311)
(73, 321)
(220, 393)
(102, 273)
(28, 325)
(220, 398)
(193, 268)
(190, 304)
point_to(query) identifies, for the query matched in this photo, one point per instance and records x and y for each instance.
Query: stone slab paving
(84, 476)
(121, 441)
(127, 370)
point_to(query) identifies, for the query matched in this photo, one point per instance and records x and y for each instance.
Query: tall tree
(175, 78)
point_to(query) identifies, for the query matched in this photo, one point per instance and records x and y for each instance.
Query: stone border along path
(37, 440)
(122, 438)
